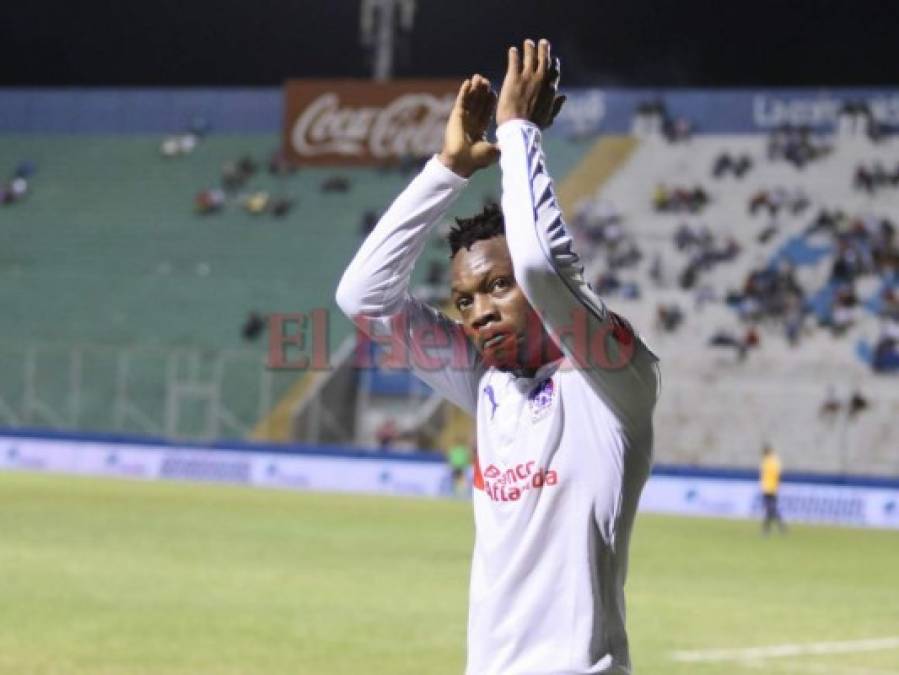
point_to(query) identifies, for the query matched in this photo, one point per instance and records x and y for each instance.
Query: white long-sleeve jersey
(562, 456)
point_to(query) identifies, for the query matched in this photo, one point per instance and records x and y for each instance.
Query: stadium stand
(123, 306)
(720, 405)
(736, 375)
(763, 283)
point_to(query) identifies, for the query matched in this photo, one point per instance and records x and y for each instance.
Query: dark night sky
(620, 42)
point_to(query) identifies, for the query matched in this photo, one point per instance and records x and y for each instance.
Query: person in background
(769, 476)
(387, 434)
(253, 326)
(458, 456)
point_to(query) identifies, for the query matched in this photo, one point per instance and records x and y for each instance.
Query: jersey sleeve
(374, 290)
(601, 345)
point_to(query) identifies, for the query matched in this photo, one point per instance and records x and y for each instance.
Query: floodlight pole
(377, 25)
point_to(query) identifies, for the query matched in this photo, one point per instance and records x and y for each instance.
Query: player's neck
(549, 353)
(531, 371)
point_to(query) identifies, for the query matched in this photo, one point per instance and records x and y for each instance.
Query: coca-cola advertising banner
(357, 122)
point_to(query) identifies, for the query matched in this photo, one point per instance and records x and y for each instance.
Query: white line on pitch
(792, 667)
(830, 669)
(777, 651)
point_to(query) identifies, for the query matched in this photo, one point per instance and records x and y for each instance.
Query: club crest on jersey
(541, 399)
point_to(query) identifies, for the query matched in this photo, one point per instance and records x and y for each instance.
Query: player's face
(497, 317)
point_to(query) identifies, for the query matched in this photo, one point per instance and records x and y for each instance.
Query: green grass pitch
(103, 577)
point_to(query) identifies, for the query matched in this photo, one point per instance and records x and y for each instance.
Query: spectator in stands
(741, 166)
(751, 339)
(600, 221)
(843, 310)
(669, 317)
(727, 339)
(684, 237)
(846, 265)
(606, 283)
(210, 200)
(797, 201)
(676, 130)
(257, 202)
(236, 173)
(281, 206)
(778, 199)
(253, 326)
(630, 290)
(678, 200)
(650, 117)
(367, 223)
(19, 186)
(794, 318)
(889, 308)
(15, 191)
(336, 183)
(796, 145)
(858, 403)
(863, 179)
(247, 166)
(387, 434)
(624, 254)
(826, 221)
(169, 147)
(232, 177)
(725, 163)
(279, 164)
(660, 197)
(175, 146)
(886, 352)
(610, 284)
(187, 143)
(767, 233)
(705, 253)
(688, 277)
(657, 270)
(769, 480)
(831, 404)
(761, 200)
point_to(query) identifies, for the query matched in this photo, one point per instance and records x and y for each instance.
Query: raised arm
(618, 366)
(374, 289)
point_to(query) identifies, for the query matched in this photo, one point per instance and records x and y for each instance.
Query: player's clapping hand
(465, 145)
(530, 89)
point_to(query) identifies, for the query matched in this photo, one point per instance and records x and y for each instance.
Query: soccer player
(561, 388)
(769, 477)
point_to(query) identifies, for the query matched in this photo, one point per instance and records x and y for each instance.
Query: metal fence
(184, 393)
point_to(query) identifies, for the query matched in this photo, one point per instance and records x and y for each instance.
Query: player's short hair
(487, 224)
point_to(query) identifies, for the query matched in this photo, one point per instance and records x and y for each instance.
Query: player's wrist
(514, 121)
(458, 165)
(510, 116)
(511, 130)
